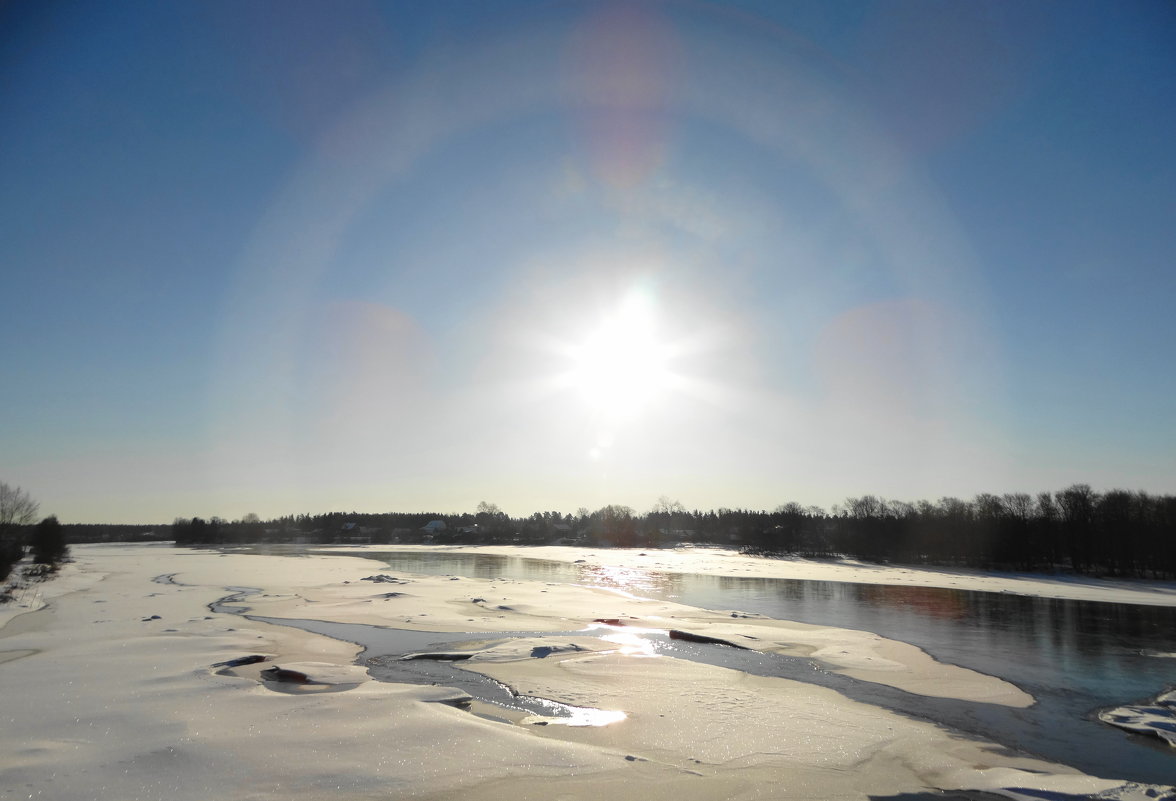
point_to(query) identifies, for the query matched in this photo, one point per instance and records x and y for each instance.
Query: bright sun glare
(621, 367)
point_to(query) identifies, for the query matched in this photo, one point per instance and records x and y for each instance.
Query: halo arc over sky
(283, 258)
(414, 403)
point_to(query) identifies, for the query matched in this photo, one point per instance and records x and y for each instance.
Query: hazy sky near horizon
(283, 257)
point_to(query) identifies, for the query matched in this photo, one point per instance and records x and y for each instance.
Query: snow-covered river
(1074, 657)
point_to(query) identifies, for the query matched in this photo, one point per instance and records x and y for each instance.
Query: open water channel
(1074, 657)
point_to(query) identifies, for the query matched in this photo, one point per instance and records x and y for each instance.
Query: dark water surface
(1074, 657)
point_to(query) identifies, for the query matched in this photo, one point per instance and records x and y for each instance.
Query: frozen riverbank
(724, 562)
(102, 693)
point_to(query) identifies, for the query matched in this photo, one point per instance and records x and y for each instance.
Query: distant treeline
(115, 532)
(1115, 533)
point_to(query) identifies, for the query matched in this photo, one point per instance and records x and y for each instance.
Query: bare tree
(668, 506)
(17, 510)
(865, 506)
(617, 526)
(486, 508)
(17, 507)
(1018, 505)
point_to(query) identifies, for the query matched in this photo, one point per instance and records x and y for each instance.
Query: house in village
(355, 533)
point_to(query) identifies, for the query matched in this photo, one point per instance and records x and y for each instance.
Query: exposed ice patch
(1131, 791)
(1157, 719)
(384, 578)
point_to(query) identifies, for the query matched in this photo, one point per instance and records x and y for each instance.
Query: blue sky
(298, 257)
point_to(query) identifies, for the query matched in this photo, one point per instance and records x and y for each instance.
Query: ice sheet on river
(1157, 718)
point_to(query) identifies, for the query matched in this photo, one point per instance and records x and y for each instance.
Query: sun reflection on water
(630, 644)
(629, 581)
(562, 714)
(581, 716)
(631, 639)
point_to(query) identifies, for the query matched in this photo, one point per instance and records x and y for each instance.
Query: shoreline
(725, 562)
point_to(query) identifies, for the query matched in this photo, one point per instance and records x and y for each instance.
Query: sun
(621, 367)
